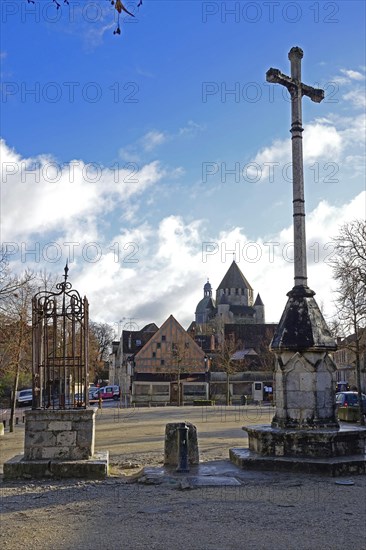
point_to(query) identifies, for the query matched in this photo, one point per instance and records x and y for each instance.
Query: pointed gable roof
(234, 279)
(134, 340)
(258, 301)
(172, 331)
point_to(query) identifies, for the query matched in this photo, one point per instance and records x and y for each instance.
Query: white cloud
(347, 78)
(153, 139)
(321, 140)
(175, 259)
(328, 139)
(149, 272)
(41, 195)
(353, 75)
(192, 128)
(267, 262)
(154, 269)
(356, 97)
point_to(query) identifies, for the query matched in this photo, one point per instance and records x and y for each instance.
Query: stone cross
(297, 89)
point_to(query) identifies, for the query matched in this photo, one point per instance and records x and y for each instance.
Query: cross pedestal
(305, 374)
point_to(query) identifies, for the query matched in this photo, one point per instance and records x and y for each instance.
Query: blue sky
(158, 151)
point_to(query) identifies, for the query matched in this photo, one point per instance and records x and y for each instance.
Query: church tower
(235, 288)
(205, 310)
(234, 301)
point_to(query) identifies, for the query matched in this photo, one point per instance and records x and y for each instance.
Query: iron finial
(66, 270)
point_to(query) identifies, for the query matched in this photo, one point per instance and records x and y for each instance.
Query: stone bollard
(171, 443)
(2, 431)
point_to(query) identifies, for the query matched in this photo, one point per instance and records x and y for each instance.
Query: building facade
(170, 368)
(122, 358)
(345, 360)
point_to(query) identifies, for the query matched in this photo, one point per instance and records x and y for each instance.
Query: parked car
(24, 397)
(350, 399)
(107, 392)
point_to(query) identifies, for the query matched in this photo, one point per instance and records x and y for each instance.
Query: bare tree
(266, 358)
(101, 336)
(118, 5)
(10, 282)
(225, 361)
(182, 361)
(16, 292)
(15, 330)
(349, 271)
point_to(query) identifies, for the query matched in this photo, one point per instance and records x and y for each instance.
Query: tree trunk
(16, 378)
(358, 374)
(227, 388)
(178, 384)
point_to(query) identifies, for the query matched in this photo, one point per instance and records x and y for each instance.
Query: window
(163, 338)
(154, 354)
(142, 389)
(138, 342)
(186, 345)
(194, 389)
(158, 345)
(162, 362)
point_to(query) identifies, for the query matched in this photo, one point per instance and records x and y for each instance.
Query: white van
(107, 392)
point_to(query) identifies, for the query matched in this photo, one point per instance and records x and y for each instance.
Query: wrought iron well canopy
(60, 327)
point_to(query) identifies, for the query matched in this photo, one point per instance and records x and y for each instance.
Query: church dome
(205, 304)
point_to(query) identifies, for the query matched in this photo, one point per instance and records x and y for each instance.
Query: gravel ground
(266, 511)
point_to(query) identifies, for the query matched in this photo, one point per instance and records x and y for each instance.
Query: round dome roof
(204, 304)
